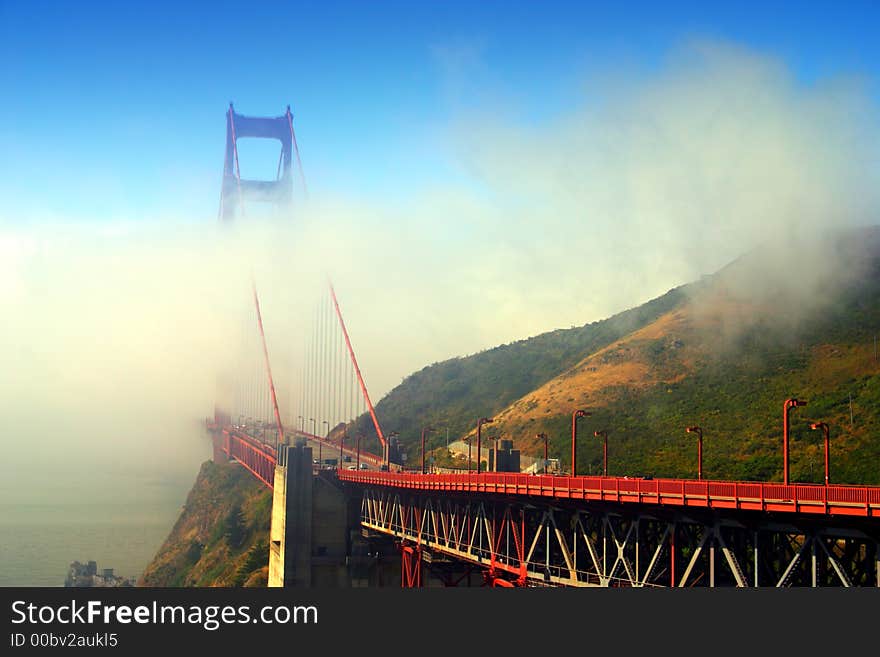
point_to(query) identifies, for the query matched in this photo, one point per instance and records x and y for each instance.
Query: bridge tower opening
(235, 190)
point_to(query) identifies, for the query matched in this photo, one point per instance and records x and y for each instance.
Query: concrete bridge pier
(310, 537)
(290, 533)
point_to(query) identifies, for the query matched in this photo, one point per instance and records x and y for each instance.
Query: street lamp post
(358, 446)
(341, 440)
(826, 431)
(543, 436)
(314, 430)
(480, 423)
(699, 432)
(579, 413)
(604, 435)
(467, 439)
(424, 430)
(786, 409)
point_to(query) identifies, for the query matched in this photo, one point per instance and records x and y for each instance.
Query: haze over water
(118, 517)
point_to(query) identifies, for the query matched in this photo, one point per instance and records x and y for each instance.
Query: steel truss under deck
(537, 543)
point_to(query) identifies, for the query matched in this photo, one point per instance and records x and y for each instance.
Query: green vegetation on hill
(221, 536)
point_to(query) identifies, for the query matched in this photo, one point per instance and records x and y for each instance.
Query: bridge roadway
(259, 457)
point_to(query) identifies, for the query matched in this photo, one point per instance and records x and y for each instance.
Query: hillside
(221, 537)
(723, 352)
(797, 320)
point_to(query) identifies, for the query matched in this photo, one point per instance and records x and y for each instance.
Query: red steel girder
(801, 499)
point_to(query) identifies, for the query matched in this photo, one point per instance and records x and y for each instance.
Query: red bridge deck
(259, 458)
(831, 500)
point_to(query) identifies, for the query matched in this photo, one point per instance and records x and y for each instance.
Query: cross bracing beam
(535, 544)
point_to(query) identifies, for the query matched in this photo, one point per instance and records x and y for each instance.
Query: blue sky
(116, 110)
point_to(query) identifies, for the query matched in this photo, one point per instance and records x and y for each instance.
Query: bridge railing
(255, 455)
(798, 498)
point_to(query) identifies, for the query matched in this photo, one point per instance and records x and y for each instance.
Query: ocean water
(117, 515)
(38, 542)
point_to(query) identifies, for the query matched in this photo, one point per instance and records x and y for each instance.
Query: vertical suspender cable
(237, 410)
(352, 411)
(311, 384)
(329, 374)
(307, 377)
(246, 371)
(234, 411)
(255, 383)
(255, 380)
(246, 374)
(268, 368)
(316, 383)
(352, 402)
(328, 370)
(326, 367)
(315, 343)
(321, 365)
(340, 377)
(302, 388)
(331, 344)
(242, 367)
(318, 386)
(258, 386)
(366, 395)
(267, 403)
(348, 377)
(335, 343)
(307, 388)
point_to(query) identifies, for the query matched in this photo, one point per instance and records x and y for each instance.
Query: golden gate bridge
(507, 528)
